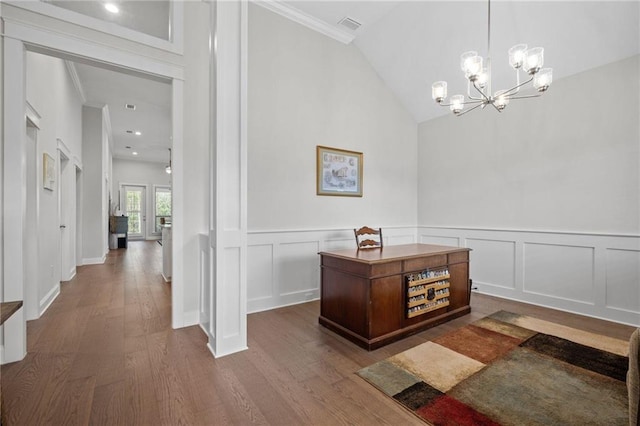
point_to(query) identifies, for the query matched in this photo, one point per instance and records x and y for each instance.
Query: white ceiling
(414, 43)
(152, 116)
(147, 16)
(410, 44)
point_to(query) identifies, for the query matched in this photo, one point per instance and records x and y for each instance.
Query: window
(162, 206)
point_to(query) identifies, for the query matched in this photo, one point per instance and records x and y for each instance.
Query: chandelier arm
(511, 91)
(494, 105)
(482, 93)
(480, 101)
(525, 96)
(470, 109)
(469, 92)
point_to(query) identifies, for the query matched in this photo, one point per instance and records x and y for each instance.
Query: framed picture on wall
(338, 172)
(48, 172)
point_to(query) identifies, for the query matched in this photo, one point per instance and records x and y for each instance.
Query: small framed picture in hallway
(48, 172)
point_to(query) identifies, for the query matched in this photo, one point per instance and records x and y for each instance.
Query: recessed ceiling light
(138, 133)
(129, 131)
(130, 106)
(111, 7)
(128, 147)
(134, 153)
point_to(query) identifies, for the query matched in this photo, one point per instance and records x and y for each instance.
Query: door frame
(145, 205)
(67, 255)
(19, 38)
(31, 300)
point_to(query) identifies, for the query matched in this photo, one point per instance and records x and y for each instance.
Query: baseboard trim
(94, 260)
(48, 299)
(191, 318)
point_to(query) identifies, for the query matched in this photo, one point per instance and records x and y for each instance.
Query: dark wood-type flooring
(104, 353)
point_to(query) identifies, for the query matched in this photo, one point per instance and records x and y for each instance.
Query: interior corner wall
(141, 173)
(567, 161)
(306, 89)
(92, 186)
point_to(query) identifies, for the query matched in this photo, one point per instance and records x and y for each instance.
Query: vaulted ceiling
(410, 44)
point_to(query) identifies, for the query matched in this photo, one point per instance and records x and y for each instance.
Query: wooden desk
(369, 296)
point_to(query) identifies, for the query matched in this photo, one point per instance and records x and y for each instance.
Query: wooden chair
(367, 238)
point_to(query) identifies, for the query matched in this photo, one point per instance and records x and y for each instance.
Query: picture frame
(48, 172)
(338, 172)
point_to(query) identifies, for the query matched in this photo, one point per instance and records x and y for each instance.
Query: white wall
(93, 232)
(567, 161)
(195, 150)
(306, 89)
(547, 194)
(2, 299)
(52, 94)
(139, 173)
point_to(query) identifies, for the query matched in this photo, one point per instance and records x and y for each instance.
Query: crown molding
(107, 122)
(296, 15)
(73, 73)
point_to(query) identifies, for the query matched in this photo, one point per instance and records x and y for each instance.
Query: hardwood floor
(104, 353)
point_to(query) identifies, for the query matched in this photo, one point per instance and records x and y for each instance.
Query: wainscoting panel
(298, 267)
(231, 326)
(492, 262)
(439, 240)
(623, 280)
(591, 274)
(284, 266)
(260, 274)
(396, 240)
(560, 271)
(204, 277)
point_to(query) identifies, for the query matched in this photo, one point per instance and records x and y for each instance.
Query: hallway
(104, 351)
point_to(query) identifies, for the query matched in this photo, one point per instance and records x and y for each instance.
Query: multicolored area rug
(509, 369)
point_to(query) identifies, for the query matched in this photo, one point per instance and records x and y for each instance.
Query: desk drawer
(421, 263)
(461, 256)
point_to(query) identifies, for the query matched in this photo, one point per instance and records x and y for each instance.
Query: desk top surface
(388, 253)
(7, 309)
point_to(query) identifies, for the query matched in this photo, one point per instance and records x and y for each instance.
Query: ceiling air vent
(130, 106)
(350, 23)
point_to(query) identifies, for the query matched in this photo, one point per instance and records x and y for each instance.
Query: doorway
(134, 206)
(19, 39)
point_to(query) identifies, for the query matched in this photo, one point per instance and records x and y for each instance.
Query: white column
(177, 206)
(228, 234)
(14, 196)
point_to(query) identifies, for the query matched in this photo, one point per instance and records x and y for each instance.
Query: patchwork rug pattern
(509, 369)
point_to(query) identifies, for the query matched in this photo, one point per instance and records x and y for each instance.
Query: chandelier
(479, 77)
